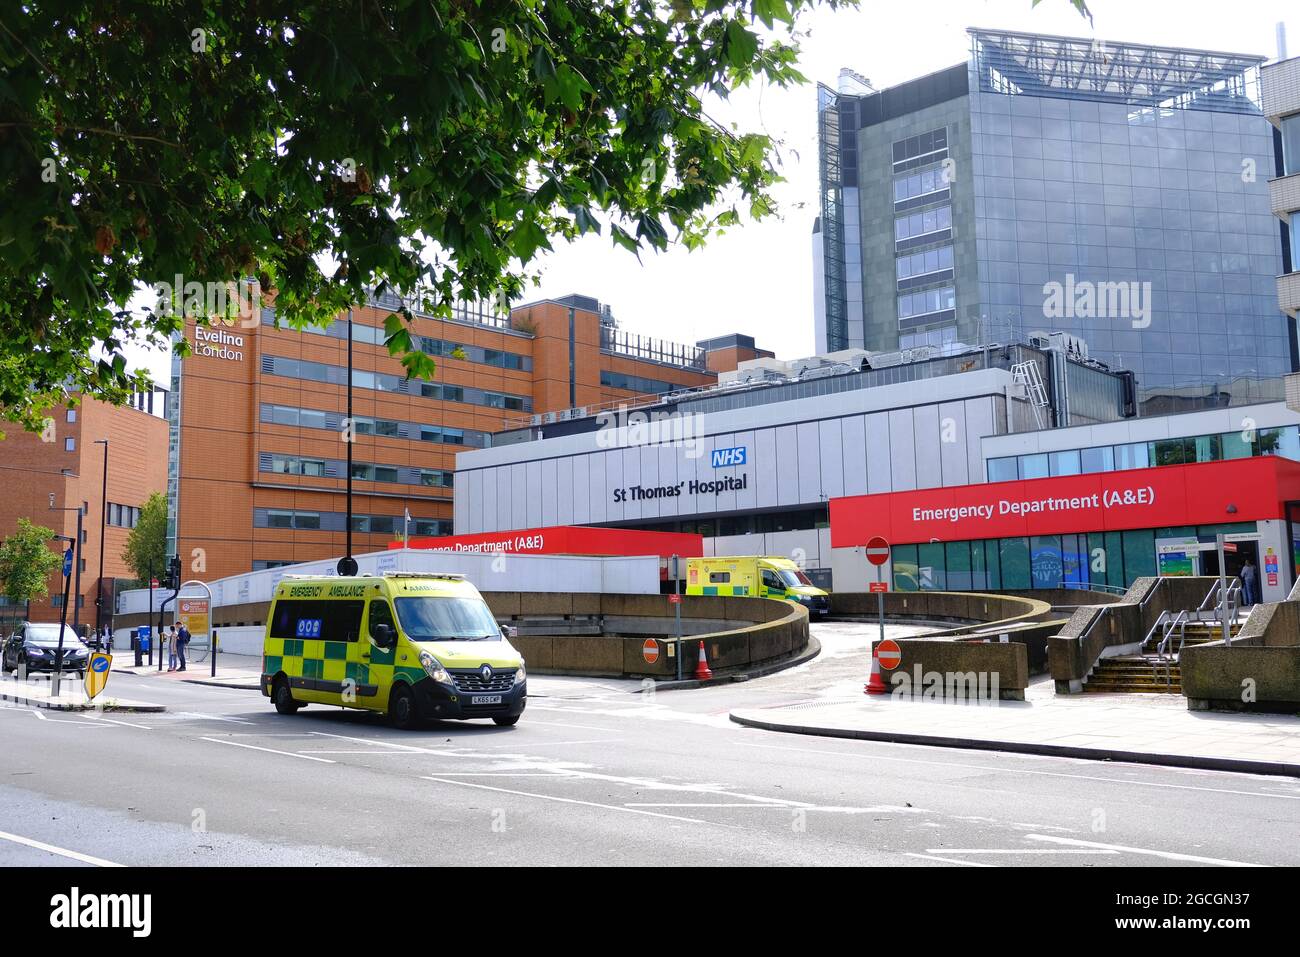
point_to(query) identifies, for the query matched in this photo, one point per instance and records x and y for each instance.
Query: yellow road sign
(97, 669)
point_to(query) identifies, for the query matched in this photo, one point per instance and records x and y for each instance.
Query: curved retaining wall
(757, 631)
(997, 641)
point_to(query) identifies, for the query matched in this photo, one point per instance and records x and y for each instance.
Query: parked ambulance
(412, 646)
(760, 576)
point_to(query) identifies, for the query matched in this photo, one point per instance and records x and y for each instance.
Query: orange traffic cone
(702, 672)
(875, 681)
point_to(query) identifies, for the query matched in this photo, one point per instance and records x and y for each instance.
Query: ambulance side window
(380, 614)
(771, 582)
(324, 620)
(719, 578)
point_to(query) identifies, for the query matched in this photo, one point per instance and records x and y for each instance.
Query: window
(719, 578)
(1003, 470)
(69, 445)
(926, 302)
(306, 520)
(323, 620)
(1034, 466)
(771, 582)
(1290, 127)
(919, 150)
(380, 614)
(1097, 460)
(923, 223)
(1064, 463)
(276, 519)
(924, 263)
(72, 415)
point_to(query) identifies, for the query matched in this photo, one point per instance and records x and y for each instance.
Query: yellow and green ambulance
(759, 576)
(412, 646)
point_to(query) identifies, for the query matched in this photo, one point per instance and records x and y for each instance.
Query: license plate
(485, 699)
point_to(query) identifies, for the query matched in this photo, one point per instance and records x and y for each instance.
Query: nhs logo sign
(722, 458)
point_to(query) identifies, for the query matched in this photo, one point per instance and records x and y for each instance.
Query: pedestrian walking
(1249, 583)
(182, 644)
(172, 648)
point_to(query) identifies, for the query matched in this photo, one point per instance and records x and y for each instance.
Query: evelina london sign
(218, 344)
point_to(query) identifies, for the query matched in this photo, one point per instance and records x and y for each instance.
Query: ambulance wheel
(509, 722)
(401, 708)
(283, 698)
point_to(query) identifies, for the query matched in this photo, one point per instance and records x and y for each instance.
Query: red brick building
(67, 461)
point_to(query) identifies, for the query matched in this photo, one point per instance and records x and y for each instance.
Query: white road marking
(407, 748)
(580, 727)
(40, 715)
(61, 851)
(1149, 851)
(1019, 850)
(779, 807)
(128, 724)
(564, 800)
(946, 860)
(1052, 774)
(212, 717)
(252, 747)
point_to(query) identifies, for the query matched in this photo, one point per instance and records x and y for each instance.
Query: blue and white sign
(67, 563)
(724, 458)
(308, 628)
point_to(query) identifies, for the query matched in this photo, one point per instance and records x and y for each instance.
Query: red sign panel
(568, 540)
(874, 587)
(889, 654)
(1240, 490)
(877, 550)
(650, 651)
(674, 599)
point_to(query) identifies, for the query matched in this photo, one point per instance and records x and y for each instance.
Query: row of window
(743, 524)
(361, 471)
(924, 263)
(923, 183)
(928, 337)
(922, 223)
(377, 336)
(1284, 441)
(1115, 559)
(384, 382)
(369, 425)
(921, 150)
(636, 383)
(336, 522)
(123, 516)
(926, 301)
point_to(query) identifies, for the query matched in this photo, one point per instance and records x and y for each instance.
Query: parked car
(35, 647)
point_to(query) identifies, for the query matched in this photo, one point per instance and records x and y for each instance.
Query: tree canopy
(417, 144)
(27, 561)
(146, 546)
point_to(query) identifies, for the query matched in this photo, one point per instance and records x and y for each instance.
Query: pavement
(1150, 729)
(36, 690)
(241, 672)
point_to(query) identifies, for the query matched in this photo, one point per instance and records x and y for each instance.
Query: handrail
(1159, 622)
(1094, 586)
(1152, 593)
(1209, 597)
(1179, 623)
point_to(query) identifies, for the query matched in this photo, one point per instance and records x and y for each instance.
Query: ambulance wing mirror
(384, 636)
(509, 631)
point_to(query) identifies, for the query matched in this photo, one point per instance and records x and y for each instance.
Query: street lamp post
(103, 526)
(347, 564)
(67, 580)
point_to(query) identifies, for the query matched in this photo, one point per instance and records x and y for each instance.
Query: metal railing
(1170, 625)
(1095, 586)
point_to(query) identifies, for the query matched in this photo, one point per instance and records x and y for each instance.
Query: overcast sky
(757, 279)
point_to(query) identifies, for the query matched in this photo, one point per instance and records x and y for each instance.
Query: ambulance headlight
(434, 669)
(520, 675)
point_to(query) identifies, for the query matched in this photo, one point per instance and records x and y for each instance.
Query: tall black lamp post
(103, 525)
(347, 564)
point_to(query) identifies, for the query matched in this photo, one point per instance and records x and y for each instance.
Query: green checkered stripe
(736, 590)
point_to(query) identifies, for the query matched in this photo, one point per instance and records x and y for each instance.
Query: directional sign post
(97, 673)
(878, 554)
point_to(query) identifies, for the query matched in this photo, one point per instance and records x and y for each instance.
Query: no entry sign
(877, 551)
(650, 651)
(889, 654)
